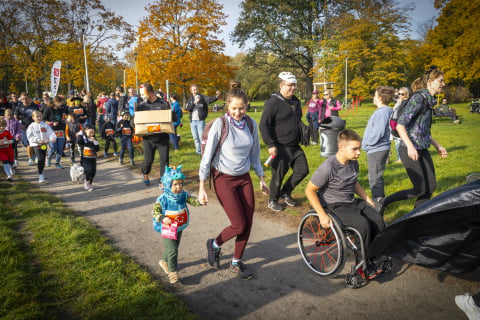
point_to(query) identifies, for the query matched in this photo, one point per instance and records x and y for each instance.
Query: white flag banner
(55, 77)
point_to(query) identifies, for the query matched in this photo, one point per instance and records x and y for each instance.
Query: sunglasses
(401, 94)
(326, 94)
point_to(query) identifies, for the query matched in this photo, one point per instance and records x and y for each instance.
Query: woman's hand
(412, 153)
(202, 194)
(442, 151)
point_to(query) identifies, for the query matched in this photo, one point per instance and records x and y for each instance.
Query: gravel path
(284, 289)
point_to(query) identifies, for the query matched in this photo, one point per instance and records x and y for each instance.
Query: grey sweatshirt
(239, 151)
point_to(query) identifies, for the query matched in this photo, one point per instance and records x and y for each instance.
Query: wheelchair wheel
(322, 249)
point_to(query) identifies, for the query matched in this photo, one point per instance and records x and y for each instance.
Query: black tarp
(442, 234)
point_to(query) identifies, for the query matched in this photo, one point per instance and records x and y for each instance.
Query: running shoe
(242, 270)
(213, 255)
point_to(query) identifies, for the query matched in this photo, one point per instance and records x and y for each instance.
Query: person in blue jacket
(175, 108)
(376, 140)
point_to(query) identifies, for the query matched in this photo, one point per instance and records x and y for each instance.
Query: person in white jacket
(39, 135)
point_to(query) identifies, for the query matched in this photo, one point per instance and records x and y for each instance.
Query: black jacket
(202, 106)
(279, 124)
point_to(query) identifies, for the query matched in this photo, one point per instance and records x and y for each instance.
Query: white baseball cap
(287, 77)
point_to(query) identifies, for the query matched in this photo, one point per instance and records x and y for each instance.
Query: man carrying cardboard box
(156, 141)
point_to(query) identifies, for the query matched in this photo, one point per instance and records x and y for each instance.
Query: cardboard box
(153, 122)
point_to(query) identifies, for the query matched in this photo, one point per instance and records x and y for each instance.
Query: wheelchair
(324, 250)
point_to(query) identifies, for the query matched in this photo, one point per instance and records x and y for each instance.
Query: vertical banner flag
(55, 78)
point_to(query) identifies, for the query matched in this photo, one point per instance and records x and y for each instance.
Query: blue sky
(133, 11)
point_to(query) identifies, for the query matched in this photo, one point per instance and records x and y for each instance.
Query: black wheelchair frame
(324, 250)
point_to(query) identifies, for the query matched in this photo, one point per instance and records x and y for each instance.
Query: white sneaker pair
(88, 186)
(41, 178)
(466, 304)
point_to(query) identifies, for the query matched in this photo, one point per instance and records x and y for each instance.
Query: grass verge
(55, 265)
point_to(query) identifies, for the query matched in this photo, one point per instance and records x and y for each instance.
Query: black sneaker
(288, 200)
(213, 255)
(242, 270)
(275, 206)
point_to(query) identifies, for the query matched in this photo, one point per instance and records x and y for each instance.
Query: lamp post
(83, 25)
(135, 54)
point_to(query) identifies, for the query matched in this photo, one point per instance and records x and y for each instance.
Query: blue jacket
(111, 108)
(178, 112)
(377, 133)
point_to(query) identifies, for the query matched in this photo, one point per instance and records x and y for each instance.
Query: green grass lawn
(55, 265)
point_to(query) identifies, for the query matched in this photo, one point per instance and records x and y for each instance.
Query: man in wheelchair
(333, 186)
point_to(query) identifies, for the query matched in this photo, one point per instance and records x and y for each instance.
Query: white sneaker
(86, 185)
(30, 162)
(467, 305)
(9, 178)
(41, 178)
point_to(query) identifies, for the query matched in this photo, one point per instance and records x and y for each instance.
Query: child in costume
(125, 132)
(72, 130)
(39, 135)
(15, 128)
(89, 148)
(6, 149)
(107, 131)
(171, 206)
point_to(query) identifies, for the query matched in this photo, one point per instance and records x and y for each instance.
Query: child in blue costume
(171, 206)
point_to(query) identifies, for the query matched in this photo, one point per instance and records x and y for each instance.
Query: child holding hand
(171, 206)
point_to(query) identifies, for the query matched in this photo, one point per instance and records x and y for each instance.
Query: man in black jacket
(279, 126)
(197, 105)
(158, 141)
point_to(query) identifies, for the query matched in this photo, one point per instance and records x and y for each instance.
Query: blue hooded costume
(172, 205)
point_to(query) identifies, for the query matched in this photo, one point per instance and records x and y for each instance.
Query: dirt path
(284, 289)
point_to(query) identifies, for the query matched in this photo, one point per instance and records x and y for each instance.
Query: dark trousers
(149, 154)
(41, 156)
(127, 143)
(15, 149)
(170, 255)
(174, 138)
(360, 216)
(313, 128)
(287, 157)
(89, 168)
(235, 195)
(376, 167)
(107, 144)
(421, 174)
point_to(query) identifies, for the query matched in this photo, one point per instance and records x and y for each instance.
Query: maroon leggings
(235, 194)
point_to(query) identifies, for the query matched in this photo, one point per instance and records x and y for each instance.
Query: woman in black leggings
(414, 129)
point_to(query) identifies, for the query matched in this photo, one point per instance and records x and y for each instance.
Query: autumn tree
(288, 30)
(178, 42)
(369, 34)
(454, 43)
(38, 32)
